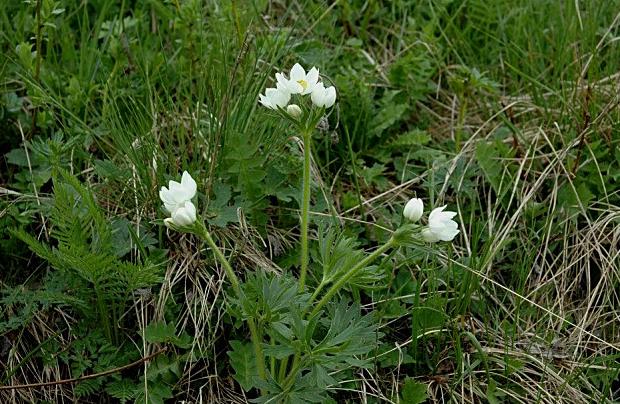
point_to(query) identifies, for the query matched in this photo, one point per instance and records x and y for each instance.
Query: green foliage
(165, 333)
(413, 392)
(85, 249)
(244, 364)
(504, 111)
(124, 390)
(325, 345)
(336, 254)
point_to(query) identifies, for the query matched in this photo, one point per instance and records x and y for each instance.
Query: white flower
(414, 209)
(294, 110)
(183, 215)
(323, 97)
(299, 82)
(275, 97)
(178, 193)
(429, 236)
(440, 226)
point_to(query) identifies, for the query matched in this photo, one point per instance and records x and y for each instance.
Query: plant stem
(234, 281)
(37, 67)
(318, 290)
(305, 208)
(352, 272)
(330, 293)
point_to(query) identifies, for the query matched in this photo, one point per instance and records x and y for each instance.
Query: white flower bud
(414, 209)
(294, 110)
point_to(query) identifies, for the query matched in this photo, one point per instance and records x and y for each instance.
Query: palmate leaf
(337, 254)
(304, 391)
(243, 362)
(269, 298)
(349, 335)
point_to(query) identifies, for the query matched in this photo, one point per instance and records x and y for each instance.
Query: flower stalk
(202, 231)
(305, 208)
(352, 272)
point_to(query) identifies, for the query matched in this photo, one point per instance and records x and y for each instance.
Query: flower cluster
(177, 199)
(440, 223)
(298, 82)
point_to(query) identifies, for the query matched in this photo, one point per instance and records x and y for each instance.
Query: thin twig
(79, 379)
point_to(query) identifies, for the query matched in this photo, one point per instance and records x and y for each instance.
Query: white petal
(184, 215)
(318, 95)
(281, 98)
(298, 73)
(265, 101)
(448, 234)
(414, 209)
(313, 76)
(429, 236)
(439, 227)
(281, 79)
(434, 214)
(174, 186)
(165, 195)
(170, 207)
(330, 96)
(189, 184)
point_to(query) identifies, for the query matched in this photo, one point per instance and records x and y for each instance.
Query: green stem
(352, 272)
(290, 379)
(330, 293)
(234, 281)
(305, 208)
(37, 67)
(318, 290)
(282, 369)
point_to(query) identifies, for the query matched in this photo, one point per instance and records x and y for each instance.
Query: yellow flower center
(303, 83)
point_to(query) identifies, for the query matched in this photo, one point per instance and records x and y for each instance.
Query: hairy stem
(305, 208)
(352, 272)
(330, 293)
(37, 67)
(234, 281)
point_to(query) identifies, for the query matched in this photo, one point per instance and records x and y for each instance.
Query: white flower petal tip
(440, 226)
(414, 209)
(323, 97)
(188, 184)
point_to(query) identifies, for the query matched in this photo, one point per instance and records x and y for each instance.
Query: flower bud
(414, 209)
(294, 110)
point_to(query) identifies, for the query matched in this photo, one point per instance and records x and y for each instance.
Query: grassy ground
(505, 111)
